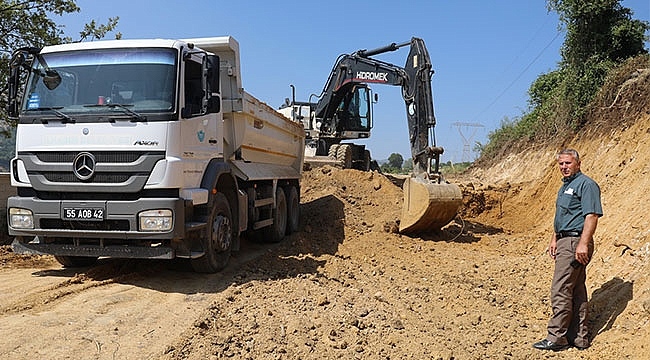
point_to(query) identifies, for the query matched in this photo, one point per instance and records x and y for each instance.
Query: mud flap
(428, 206)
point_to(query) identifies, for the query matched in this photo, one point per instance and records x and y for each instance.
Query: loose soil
(348, 286)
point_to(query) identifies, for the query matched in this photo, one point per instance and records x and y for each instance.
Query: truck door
(201, 127)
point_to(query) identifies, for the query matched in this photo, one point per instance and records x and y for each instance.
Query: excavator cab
(353, 117)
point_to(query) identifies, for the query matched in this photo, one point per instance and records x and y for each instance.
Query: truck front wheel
(344, 155)
(218, 242)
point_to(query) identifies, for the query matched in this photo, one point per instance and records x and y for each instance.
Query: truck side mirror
(17, 60)
(213, 82)
(16, 63)
(51, 79)
(14, 83)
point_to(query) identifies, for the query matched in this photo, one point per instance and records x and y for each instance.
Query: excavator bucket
(428, 205)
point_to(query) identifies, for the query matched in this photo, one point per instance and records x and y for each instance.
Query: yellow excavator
(343, 112)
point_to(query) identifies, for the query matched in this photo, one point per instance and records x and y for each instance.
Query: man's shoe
(549, 345)
(581, 347)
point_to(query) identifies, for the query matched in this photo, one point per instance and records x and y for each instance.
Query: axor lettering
(146, 142)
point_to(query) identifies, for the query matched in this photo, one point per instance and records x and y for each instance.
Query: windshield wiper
(136, 116)
(64, 117)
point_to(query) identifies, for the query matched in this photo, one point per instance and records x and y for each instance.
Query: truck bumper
(139, 252)
(117, 235)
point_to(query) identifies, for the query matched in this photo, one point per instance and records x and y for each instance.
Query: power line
(519, 76)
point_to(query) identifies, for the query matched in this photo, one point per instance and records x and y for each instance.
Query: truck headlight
(21, 218)
(156, 220)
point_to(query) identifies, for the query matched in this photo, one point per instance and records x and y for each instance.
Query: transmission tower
(467, 140)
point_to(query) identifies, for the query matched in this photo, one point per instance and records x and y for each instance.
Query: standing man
(577, 210)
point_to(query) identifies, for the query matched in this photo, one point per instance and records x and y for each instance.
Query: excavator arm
(350, 71)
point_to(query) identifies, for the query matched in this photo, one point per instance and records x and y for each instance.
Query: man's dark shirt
(578, 196)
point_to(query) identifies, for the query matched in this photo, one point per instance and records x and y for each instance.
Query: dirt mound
(8, 259)
(373, 201)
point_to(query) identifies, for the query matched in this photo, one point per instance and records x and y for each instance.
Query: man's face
(568, 165)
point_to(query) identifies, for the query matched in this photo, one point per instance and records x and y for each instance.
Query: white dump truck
(147, 149)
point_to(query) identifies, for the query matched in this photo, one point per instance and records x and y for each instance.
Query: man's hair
(571, 152)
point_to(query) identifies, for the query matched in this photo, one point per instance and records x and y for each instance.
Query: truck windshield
(104, 81)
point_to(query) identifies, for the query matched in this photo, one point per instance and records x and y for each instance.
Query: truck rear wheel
(275, 232)
(218, 243)
(293, 209)
(75, 261)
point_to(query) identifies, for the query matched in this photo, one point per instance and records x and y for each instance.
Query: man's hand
(582, 249)
(582, 252)
(552, 247)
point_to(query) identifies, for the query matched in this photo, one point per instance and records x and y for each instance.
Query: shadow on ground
(320, 232)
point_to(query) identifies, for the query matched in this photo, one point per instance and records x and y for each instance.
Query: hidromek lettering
(372, 76)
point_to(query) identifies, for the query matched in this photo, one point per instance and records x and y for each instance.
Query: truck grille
(107, 225)
(66, 177)
(100, 156)
(111, 171)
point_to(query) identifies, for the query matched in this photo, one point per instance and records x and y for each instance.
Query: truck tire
(275, 232)
(75, 261)
(293, 209)
(218, 244)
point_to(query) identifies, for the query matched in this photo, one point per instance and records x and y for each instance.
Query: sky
(485, 53)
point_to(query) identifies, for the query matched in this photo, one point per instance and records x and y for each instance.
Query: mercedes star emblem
(84, 166)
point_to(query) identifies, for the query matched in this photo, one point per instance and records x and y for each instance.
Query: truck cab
(127, 148)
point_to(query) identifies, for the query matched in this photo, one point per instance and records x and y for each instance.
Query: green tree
(598, 29)
(408, 165)
(394, 164)
(396, 160)
(600, 35)
(92, 31)
(31, 23)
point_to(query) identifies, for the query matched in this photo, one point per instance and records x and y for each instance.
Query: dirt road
(119, 309)
(346, 286)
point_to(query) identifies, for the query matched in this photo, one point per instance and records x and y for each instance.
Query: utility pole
(467, 140)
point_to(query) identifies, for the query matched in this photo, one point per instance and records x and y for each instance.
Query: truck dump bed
(259, 141)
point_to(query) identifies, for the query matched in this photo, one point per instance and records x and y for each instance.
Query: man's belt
(563, 234)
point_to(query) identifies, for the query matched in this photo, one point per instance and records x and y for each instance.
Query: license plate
(92, 214)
